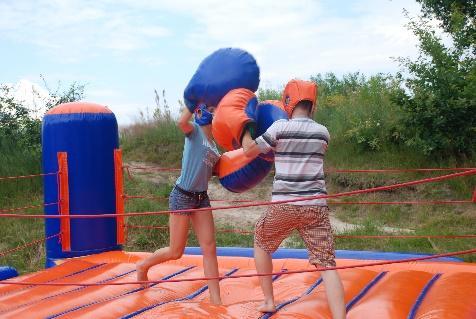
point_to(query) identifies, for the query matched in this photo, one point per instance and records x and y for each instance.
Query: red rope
(26, 176)
(332, 170)
(398, 170)
(144, 197)
(289, 272)
(406, 236)
(424, 202)
(158, 198)
(222, 230)
(248, 232)
(263, 203)
(7, 252)
(26, 207)
(428, 202)
(160, 169)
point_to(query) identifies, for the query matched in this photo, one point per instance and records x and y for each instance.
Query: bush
(358, 109)
(366, 134)
(269, 94)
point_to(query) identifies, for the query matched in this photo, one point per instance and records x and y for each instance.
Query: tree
(16, 124)
(457, 17)
(75, 92)
(18, 127)
(438, 99)
(269, 94)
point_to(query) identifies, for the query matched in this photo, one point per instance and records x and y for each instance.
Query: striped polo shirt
(299, 145)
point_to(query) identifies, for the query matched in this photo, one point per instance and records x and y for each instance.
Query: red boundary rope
(378, 263)
(424, 202)
(332, 170)
(160, 169)
(27, 176)
(249, 232)
(399, 170)
(26, 207)
(9, 251)
(263, 203)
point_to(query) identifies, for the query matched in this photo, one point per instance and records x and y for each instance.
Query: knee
(209, 248)
(175, 253)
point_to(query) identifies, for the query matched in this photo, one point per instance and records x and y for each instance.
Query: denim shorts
(179, 201)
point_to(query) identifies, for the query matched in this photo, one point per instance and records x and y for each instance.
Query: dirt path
(241, 218)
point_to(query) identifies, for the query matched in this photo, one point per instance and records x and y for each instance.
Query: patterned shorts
(179, 201)
(312, 223)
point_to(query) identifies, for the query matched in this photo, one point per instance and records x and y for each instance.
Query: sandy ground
(241, 218)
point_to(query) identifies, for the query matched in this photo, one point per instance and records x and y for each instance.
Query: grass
(157, 141)
(18, 193)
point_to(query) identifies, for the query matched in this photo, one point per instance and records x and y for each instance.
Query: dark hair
(305, 104)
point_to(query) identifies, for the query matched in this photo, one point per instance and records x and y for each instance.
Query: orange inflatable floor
(412, 290)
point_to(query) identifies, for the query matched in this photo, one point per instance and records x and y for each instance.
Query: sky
(124, 49)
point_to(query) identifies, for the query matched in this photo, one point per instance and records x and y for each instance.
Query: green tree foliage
(269, 94)
(457, 17)
(19, 130)
(16, 124)
(438, 99)
(75, 92)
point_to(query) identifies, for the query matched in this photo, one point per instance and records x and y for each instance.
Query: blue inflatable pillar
(80, 142)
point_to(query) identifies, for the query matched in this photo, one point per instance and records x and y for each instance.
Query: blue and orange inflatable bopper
(238, 112)
(220, 72)
(82, 137)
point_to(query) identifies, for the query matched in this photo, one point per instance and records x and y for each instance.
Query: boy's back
(299, 146)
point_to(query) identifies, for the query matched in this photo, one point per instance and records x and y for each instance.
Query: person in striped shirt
(299, 145)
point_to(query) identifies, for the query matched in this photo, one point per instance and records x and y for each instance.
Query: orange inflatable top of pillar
(79, 108)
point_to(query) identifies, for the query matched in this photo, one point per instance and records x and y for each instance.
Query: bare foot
(142, 274)
(267, 307)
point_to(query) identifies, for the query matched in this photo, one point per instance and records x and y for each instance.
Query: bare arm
(250, 147)
(184, 121)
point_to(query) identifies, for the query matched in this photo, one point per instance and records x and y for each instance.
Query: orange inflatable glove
(234, 114)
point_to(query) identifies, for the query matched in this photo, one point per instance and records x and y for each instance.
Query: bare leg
(264, 264)
(178, 239)
(205, 230)
(335, 293)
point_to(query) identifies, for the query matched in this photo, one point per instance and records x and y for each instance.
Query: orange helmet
(297, 91)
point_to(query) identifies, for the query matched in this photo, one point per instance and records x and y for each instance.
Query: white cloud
(72, 29)
(299, 38)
